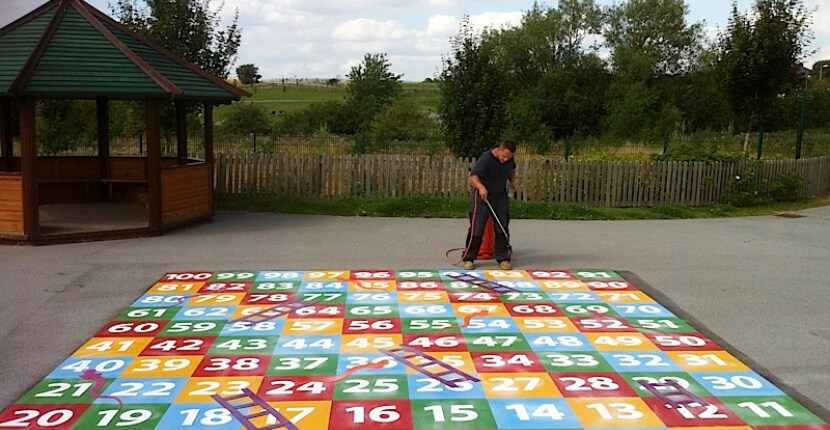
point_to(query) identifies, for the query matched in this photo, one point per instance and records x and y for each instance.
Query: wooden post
(6, 135)
(154, 200)
(208, 117)
(181, 132)
(28, 167)
(103, 119)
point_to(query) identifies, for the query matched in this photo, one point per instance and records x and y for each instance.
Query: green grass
(438, 207)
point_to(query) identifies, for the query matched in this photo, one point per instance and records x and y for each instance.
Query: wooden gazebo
(66, 49)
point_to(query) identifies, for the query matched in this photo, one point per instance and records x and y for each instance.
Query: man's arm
(512, 181)
(475, 182)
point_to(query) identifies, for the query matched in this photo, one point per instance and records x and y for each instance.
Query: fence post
(760, 142)
(665, 142)
(141, 144)
(253, 137)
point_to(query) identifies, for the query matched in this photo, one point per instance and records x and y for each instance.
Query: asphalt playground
(759, 286)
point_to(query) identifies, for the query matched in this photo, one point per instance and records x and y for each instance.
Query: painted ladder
(405, 354)
(236, 411)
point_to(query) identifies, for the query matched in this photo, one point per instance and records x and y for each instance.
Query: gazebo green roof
(69, 49)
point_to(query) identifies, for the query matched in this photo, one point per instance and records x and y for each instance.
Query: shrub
(785, 187)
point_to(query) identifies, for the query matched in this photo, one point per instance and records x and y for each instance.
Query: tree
(248, 74)
(187, 28)
(473, 95)
(759, 55)
(649, 41)
(372, 86)
(244, 118)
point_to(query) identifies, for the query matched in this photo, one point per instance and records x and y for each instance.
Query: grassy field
(437, 207)
(276, 97)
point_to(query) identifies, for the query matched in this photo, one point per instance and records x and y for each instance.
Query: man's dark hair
(509, 144)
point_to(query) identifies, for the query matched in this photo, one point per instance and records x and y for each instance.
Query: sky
(325, 38)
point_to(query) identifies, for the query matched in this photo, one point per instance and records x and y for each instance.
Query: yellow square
(113, 347)
(372, 285)
(625, 297)
(518, 385)
(620, 341)
(619, 412)
(327, 275)
(492, 309)
(313, 326)
(170, 366)
(703, 361)
(304, 415)
(507, 275)
(200, 390)
(422, 296)
(176, 288)
(563, 285)
(360, 343)
(545, 324)
(244, 310)
(216, 299)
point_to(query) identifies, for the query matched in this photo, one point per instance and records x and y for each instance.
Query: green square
(372, 387)
(63, 391)
(148, 313)
(586, 309)
(110, 416)
(276, 287)
(239, 345)
(496, 342)
(524, 297)
(386, 310)
(429, 325)
(322, 298)
(452, 414)
(302, 364)
(683, 379)
(596, 275)
(770, 411)
(657, 325)
(568, 361)
(193, 328)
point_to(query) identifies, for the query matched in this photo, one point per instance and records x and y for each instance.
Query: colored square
(513, 362)
(113, 347)
(614, 412)
(230, 345)
(452, 414)
(200, 390)
(593, 384)
(371, 387)
(524, 385)
(551, 413)
(371, 414)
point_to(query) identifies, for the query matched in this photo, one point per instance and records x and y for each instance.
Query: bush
(785, 187)
(698, 153)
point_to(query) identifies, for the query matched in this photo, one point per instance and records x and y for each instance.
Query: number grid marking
(407, 349)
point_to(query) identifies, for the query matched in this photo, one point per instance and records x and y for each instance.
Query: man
(489, 178)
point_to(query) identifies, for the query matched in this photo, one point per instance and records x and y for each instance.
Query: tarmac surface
(760, 286)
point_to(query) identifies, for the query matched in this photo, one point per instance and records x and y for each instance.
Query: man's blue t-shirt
(492, 173)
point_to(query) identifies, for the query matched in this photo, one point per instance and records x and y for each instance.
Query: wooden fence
(611, 183)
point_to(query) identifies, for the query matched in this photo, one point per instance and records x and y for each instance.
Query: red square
(552, 275)
(533, 310)
(225, 287)
(436, 342)
(601, 322)
(592, 384)
(268, 299)
(714, 414)
(502, 361)
(371, 414)
(232, 365)
(296, 388)
(36, 417)
(475, 296)
(682, 341)
(132, 328)
(372, 325)
(319, 311)
(179, 346)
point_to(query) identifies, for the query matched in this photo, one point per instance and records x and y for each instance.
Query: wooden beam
(181, 131)
(28, 152)
(6, 134)
(208, 116)
(103, 119)
(153, 165)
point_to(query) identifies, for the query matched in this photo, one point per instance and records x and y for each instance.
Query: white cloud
(495, 20)
(442, 26)
(363, 29)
